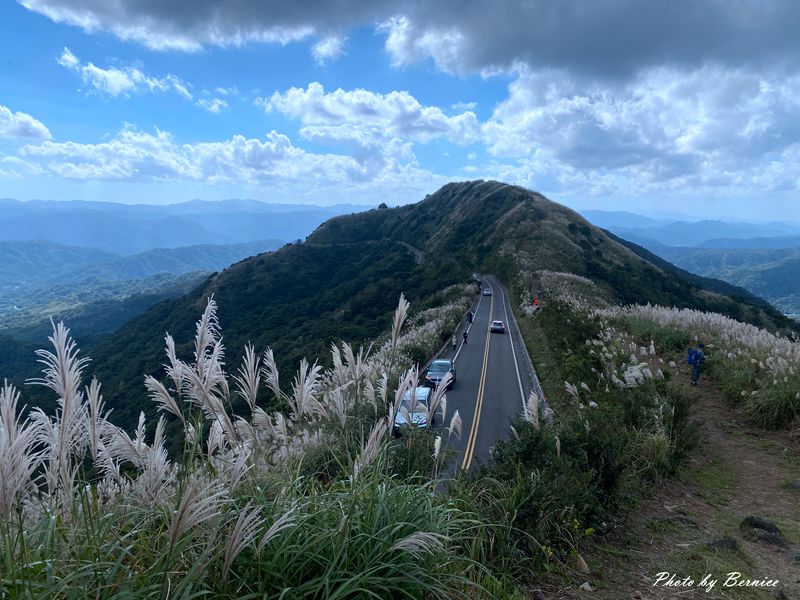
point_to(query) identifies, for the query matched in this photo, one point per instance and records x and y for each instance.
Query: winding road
(494, 378)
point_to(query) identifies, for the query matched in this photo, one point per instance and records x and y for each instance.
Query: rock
(637, 595)
(791, 485)
(752, 522)
(723, 543)
(768, 537)
(586, 587)
(538, 595)
(779, 595)
(682, 519)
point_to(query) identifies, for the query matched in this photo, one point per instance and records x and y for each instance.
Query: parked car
(416, 402)
(498, 327)
(437, 371)
(487, 291)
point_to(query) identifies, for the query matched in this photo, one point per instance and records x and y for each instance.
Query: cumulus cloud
(363, 116)
(121, 82)
(20, 125)
(137, 156)
(327, 49)
(666, 123)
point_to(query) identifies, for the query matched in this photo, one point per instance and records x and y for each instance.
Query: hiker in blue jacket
(696, 358)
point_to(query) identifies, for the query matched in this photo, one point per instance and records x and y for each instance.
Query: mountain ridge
(344, 281)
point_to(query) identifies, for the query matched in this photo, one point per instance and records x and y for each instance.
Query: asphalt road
(491, 386)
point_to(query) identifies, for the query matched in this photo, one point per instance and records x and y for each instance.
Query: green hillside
(343, 282)
(495, 226)
(773, 274)
(27, 262)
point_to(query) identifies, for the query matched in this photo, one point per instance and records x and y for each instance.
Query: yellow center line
(473, 434)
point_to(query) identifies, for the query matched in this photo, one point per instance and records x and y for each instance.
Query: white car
(416, 404)
(498, 327)
(487, 291)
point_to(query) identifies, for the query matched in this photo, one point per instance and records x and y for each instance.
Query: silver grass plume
(303, 400)
(242, 535)
(200, 501)
(175, 367)
(286, 520)
(399, 318)
(97, 421)
(63, 436)
(370, 450)
(160, 395)
(455, 425)
(18, 459)
(421, 542)
(438, 396)
(249, 379)
(270, 373)
(532, 409)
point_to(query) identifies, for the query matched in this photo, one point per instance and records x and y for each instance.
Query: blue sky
(619, 105)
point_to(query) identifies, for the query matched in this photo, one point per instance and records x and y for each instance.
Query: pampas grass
(111, 513)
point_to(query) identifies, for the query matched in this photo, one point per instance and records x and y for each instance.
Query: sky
(687, 106)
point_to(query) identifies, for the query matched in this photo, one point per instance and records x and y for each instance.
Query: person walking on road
(465, 337)
(470, 316)
(697, 357)
(453, 341)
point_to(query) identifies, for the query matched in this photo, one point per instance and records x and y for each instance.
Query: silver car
(487, 291)
(416, 404)
(438, 370)
(498, 327)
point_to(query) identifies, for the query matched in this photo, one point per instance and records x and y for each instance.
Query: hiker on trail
(696, 358)
(465, 337)
(453, 341)
(470, 316)
(535, 303)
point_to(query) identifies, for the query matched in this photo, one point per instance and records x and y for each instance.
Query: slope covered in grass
(342, 282)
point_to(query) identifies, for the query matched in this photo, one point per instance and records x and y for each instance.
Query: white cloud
(668, 127)
(365, 117)
(136, 156)
(122, 82)
(212, 105)
(408, 44)
(328, 48)
(462, 106)
(20, 125)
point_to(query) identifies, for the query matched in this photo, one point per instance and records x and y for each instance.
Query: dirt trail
(736, 471)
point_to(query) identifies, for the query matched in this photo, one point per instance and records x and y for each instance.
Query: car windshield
(497, 322)
(421, 398)
(439, 366)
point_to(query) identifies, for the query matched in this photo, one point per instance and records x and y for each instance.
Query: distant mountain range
(40, 280)
(128, 229)
(344, 280)
(763, 258)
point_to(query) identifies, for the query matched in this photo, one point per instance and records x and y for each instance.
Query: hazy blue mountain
(129, 229)
(25, 262)
(773, 274)
(682, 233)
(791, 241)
(608, 219)
(177, 261)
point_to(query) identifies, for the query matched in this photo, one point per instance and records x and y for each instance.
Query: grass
(699, 561)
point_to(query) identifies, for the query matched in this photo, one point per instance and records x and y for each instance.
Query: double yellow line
(473, 433)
